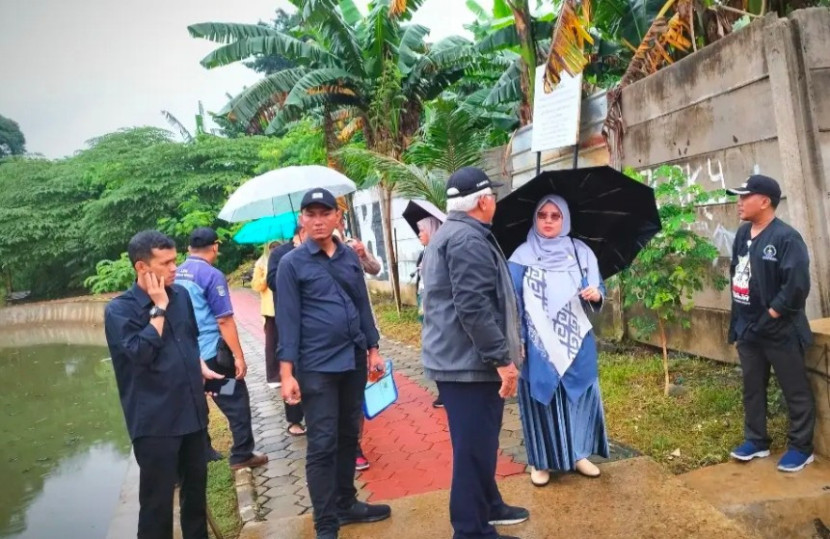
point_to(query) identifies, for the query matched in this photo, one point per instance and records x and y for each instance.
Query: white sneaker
(274, 385)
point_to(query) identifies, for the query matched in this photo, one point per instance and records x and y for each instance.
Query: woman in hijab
(426, 228)
(556, 279)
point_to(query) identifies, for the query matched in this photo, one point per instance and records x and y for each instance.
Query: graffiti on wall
(711, 174)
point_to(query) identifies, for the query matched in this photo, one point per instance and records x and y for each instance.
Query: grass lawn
(695, 429)
(221, 492)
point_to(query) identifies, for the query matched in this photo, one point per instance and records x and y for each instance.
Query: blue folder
(381, 394)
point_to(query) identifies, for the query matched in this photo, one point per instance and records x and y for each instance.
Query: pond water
(64, 448)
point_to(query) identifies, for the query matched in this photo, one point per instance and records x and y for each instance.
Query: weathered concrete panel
(588, 157)
(814, 27)
(726, 168)
(716, 69)
(821, 95)
(716, 124)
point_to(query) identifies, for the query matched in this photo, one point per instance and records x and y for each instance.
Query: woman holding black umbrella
(557, 278)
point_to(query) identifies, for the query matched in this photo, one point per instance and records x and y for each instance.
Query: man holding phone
(328, 340)
(152, 337)
(210, 295)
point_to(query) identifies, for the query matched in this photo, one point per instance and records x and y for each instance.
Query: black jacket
(159, 377)
(781, 272)
(274, 263)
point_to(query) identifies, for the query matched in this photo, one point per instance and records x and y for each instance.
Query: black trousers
(163, 461)
(237, 408)
(293, 412)
(788, 363)
(474, 413)
(333, 405)
(272, 366)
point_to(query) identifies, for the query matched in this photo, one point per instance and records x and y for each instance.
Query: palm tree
(370, 74)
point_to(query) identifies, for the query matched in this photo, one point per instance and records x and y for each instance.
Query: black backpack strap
(339, 282)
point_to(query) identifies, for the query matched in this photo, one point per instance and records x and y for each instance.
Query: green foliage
(12, 141)
(302, 144)
(111, 276)
(677, 262)
(59, 218)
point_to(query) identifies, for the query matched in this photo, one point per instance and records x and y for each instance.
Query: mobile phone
(225, 386)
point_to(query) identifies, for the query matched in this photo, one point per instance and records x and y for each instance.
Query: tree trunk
(351, 215)
(385, 194)
(527, 50)
(663, 343)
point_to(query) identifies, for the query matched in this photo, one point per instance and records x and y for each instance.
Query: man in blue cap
(328, 341)
(770, 273)
(470, 347)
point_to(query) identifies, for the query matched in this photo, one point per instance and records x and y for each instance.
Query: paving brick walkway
(408, 444)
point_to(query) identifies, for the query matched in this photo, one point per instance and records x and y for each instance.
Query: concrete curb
(245, 495)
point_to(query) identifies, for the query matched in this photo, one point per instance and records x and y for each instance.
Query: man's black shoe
(214, 455)
(363, 512)
(507, 515)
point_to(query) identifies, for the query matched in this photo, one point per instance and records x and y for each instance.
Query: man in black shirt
(152, 337)
(770, 274)
(328, 339)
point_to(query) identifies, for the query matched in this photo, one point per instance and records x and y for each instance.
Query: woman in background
(426, 228)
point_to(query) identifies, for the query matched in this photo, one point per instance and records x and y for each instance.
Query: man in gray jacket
(470, 346)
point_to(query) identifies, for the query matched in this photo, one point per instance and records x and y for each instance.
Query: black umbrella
(417, 210)
(612, 213)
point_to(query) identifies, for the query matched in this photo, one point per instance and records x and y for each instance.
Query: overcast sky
(71, 70)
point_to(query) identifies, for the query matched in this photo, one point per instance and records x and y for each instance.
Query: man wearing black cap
(328, 340)
(470, 346)
(211, 299)
(770, 274)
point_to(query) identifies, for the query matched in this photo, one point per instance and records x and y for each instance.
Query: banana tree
(368, 73)
(512, 41)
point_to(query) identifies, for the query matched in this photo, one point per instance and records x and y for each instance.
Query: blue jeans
(474, 413)
(333, 407)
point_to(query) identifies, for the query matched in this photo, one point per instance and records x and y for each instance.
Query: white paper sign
(556, 115)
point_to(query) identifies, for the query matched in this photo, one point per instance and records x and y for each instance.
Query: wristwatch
(157, 311)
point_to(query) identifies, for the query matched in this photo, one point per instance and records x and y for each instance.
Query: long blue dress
(562, 418)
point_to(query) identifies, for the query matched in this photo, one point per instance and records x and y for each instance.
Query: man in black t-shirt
(770, 277)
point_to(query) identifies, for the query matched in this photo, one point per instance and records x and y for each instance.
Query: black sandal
(304, 429)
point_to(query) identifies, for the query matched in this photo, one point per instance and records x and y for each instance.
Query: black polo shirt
(159, 377)
(319, 325)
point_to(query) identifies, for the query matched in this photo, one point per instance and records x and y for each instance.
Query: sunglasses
(553, 216)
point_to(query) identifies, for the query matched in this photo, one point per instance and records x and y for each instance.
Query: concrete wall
(71, 321)
(79, 311)
(750, 103)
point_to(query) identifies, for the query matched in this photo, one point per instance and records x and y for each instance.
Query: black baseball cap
(761, 185)
(202, 237)
(323, 197)
(468, 180)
